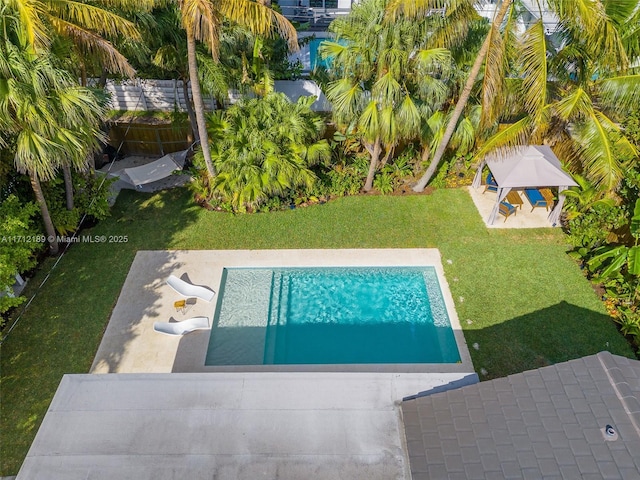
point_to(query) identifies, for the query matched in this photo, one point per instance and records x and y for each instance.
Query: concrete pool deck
(130, 345)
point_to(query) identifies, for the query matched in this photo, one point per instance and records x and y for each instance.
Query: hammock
(154, 171)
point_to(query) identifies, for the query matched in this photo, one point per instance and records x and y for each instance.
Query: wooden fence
(149, 140)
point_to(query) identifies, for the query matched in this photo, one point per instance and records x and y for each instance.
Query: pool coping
(130, 345)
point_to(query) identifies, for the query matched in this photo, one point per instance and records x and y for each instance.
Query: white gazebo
(530, 166)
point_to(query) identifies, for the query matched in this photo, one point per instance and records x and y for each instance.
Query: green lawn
(528, 303)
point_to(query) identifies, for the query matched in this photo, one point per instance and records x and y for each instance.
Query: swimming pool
(329, 315)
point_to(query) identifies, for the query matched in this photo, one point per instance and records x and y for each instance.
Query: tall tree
(593, 21)
(574, 96)
(169, 43)
(419, 7)
(88, 27)
(385, 84)
(202, 21)
(44, 114)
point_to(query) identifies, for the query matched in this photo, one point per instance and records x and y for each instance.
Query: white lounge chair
(189, 290)
(180, 328)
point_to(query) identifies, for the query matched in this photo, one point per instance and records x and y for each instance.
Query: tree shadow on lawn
(62, 328)
(551, 335)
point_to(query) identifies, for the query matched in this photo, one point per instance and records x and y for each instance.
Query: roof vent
(609, 433)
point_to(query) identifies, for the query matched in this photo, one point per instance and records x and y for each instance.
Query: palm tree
(202, 21)
(48, 118)
(416, 8)
(87, 25)
(574, 96)
(264, 147)
(169, 43)
(596, 23)
(375, 65)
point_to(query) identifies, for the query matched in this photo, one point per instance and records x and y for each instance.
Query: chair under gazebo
(527, 168)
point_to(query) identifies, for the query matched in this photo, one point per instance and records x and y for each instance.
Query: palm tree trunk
(83, 75)
(48, 224)
(198, 103)
(102, 82)
(426, 151)
(462, 101)
(374, 151)
(190, 112)
(68, 186)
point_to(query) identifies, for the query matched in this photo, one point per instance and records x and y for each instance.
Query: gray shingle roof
(541, 424)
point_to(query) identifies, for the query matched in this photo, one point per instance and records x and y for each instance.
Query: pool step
(275, 335)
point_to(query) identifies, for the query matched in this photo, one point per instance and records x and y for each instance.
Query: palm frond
(602, 156)
(408, 116)
(514, 135)
(92, 44)
(36, 153)
(620, 93)
(464, 137)
(386, 89)
(575, 106)
(534, 69)
(92, 18)
(31, 15)
(369, 121)
(260, 19)
(590, 21)
(346, 98)
(494, 77)
(137, 6)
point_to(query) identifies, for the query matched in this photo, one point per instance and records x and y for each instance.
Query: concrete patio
(524, 217)
(130, 345)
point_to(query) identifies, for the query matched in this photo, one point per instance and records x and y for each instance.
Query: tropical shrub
(617, 267)
(344, 178)
(595, 226)
(91, 198)
(383, 183)
(263, 148)
(20, 240)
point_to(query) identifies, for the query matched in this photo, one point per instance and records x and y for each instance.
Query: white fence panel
(167, 95)
(295, 89)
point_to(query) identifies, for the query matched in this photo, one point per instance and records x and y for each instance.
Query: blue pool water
(315, 59)
(363, 315)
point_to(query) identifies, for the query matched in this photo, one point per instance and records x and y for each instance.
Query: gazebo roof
(528, 166)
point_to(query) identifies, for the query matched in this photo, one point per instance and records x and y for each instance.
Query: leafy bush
(594, 227)
(617, 267)
(345, 177)
(263, 148)
(19, 243)
(440, 179)
(90, 196)
(383, 183)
